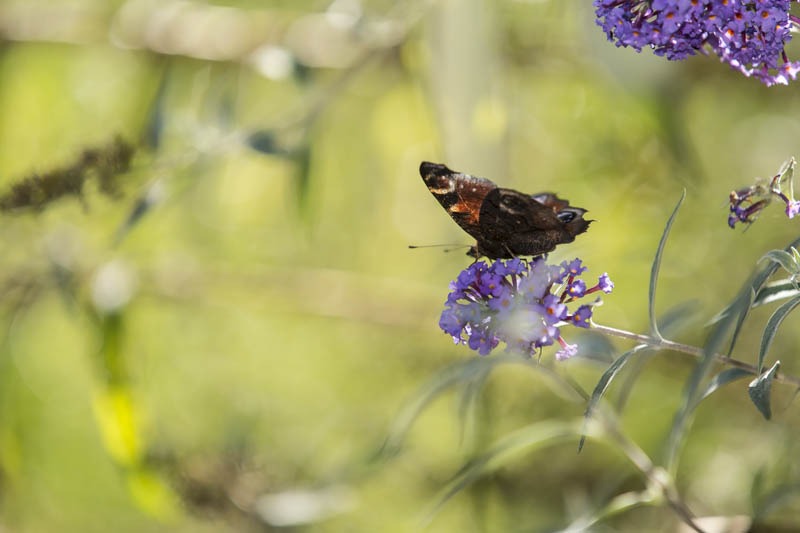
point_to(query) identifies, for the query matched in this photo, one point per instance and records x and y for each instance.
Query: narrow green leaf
(154, 495)
(459, 373)
(145, 203)
(469, 404)
(603, 384)
(527, 439)
(632, 374)
(749, 299)
(741, 308)
(733, 314)
(756, 284)
(596, 347)
(303, 73)
(760, 389)
(692, 395)
(757, 491)
(729, 375)
(778, 497)
(746, 300)
(226, 111)
(670, 323)
(676, 317)
(264, 141)
(761, 277)
(154, 127)
(721, 314)
(771, 329)
(775, 291)
(302, 159)
(657, 266)
(617, 505)
(470, 373)
(116, 415)
(786, 173)
(783, 258)
(112, 355)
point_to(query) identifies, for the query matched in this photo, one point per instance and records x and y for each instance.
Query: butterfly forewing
(461, 195)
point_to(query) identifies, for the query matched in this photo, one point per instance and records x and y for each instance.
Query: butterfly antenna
(456, 247)
(452, 247)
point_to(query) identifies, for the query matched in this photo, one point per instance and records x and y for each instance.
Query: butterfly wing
(550, 200)
(460, 194)
(514, 224)
(504, 222)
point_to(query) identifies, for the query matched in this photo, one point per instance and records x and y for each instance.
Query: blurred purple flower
(749, 35)
(566, 351)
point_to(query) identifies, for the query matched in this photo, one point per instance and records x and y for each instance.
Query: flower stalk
(694, 351)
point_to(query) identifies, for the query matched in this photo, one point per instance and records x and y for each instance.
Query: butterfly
(504, 222)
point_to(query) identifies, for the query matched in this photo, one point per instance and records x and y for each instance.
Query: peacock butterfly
(504, 222)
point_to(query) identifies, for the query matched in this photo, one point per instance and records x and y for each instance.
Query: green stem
(691, 350)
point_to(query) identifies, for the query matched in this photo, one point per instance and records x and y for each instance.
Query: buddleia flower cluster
(748, 202)
(522, 303)
(749, 35)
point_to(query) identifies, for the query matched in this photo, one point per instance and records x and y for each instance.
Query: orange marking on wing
(470, 198)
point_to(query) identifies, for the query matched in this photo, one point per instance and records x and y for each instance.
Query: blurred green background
(221, 337)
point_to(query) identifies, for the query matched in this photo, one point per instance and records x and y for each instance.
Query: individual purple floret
(566, 351)
(792, 208)
(605, 284)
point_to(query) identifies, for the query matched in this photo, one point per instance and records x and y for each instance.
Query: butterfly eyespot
(566, 216)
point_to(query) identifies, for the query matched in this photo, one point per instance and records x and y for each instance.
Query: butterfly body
(504, 222)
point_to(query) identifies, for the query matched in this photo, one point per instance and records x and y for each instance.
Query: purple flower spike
(518, 302)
